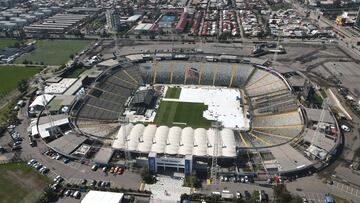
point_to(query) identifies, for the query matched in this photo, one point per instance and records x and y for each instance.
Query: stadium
(170, 111)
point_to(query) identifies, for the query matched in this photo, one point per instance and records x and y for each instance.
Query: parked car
(345, 128)
(76, 195)
(99, 183)
(94, 167)
(31, 162)
(238, 195)
(83, 182)
(121, 170)
(66, 160)
(93, 183)
(67, 193)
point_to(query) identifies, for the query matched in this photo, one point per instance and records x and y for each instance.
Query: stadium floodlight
(214, 166)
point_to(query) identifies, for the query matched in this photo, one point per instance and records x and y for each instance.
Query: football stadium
(183, 114)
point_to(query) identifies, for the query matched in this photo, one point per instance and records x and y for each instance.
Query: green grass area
(11, 75)
(173, 92)
(54, 52)
(74, 73)
(20, 183)
(6, 112)
(182, 113)
(7, 43)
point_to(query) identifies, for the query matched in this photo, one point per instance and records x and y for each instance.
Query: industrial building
(57, 24)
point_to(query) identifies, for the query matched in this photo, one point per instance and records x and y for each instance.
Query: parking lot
(346, 188)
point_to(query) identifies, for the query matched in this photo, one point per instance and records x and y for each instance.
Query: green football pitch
(172, 113)
(54, 52)
(173, 92)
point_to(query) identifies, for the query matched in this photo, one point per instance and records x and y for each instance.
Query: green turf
(20, 183)
(75, 72)
(11, 75)
(7, 43)
(182, 114)
(54, 52)
(173, 92)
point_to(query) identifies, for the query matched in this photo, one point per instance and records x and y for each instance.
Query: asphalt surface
(73, 172)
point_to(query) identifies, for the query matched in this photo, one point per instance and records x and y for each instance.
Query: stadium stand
(263, 82)
(106, 98)
(273, 129)
(219, 74)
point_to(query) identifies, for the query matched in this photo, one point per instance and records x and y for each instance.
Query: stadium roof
(41, 100)
(100, 196)
(67, 143)
(314, 115)
(288, 158)
(103, 156)
(174, 140)
(321, 141)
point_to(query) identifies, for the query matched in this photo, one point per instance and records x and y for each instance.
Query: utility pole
(214, 166)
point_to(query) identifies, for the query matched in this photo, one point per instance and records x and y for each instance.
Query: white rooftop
(60, 87)
(223, 104)
(174, 140)
(94, 196)
(42, 100)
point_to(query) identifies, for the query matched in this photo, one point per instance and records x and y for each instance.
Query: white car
(345, 128)
(31, 162)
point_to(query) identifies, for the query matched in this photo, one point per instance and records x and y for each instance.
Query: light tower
(214, 166)
(316, 136)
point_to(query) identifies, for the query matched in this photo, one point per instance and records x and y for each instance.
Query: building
(99, 196)
(113, 21)
(180, 26)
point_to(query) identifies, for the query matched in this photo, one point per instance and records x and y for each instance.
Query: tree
(71, 56)
(23, 85)
(48, 196)
(283, 196)
(147, 177)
